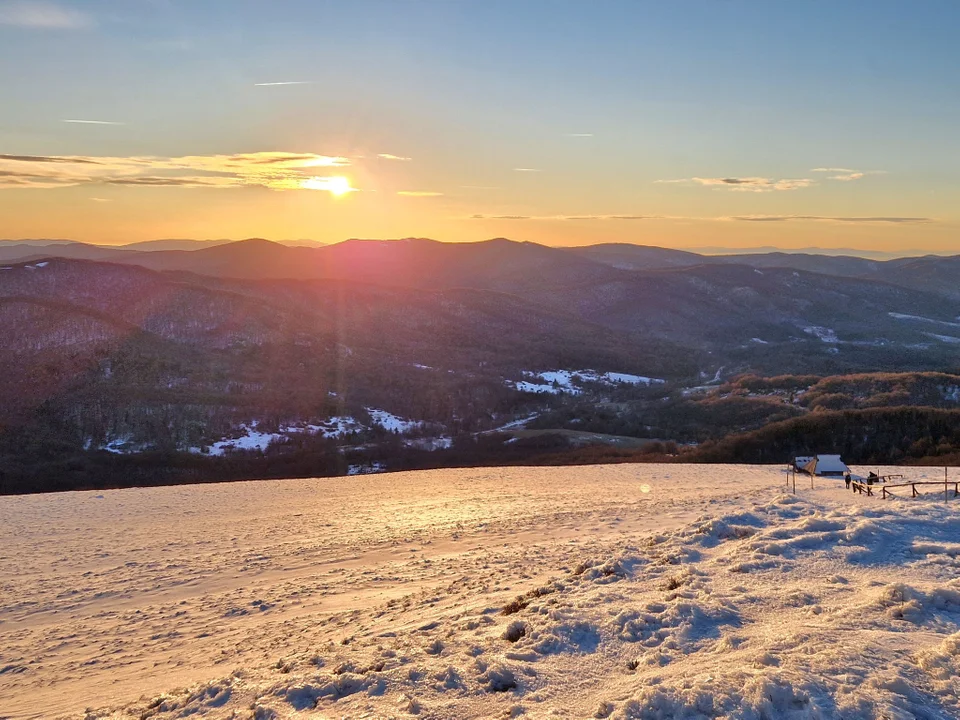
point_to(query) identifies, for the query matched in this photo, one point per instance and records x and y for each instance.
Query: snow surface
(920, 318)
(824, 334)
(249, 438)
(944, 338)
(392, 423)
(567, 381)
(628, 592)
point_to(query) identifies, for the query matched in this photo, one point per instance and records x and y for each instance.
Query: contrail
(287, 82)
(94, 122)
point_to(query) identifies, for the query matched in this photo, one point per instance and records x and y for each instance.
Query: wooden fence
(913, 486)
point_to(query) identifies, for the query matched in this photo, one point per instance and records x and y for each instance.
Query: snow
(392, 423)
(626, 591)
(824, 334)
(519, 423)
(368, 469)
(437, 443)
(759, 341)
(919, 318)
(567, 381)
(43, 264)
(944, 338)
(249, 438)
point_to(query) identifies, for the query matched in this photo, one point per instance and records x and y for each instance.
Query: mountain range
(176, 349)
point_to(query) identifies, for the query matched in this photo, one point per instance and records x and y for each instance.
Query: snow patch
(392, 423)
(823, 333)
(572, 381)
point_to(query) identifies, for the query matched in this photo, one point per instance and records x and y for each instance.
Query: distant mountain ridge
(421, 262)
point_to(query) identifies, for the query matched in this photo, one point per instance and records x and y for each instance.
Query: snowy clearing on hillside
(392, 423)
(628, 592)
(571, 381)
(249, 438)
(824, 334)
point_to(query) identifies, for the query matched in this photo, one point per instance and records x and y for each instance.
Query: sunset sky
(683, 124)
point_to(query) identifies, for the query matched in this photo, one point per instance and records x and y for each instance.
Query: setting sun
(336, 186)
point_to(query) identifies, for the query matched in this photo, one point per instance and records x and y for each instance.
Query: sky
(721, 123)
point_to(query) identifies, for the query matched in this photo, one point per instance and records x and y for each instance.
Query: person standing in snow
(847, 479)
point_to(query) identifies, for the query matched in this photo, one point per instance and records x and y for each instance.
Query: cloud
(847, 177)
(579, 135)
(569, 217)
(419, 193)
(846, 174)
(737, 218)
(747, 184)
(273, 170)
(42, 15)
(527, 170)
(765, 184)
(93, 122)
(388, 156)
(825, 218)
(284, 82)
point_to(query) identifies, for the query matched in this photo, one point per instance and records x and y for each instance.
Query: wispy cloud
(284, 82)
(274, 170)
(733, 218)
(746, 184)
(419, 193)
(568, 217)
(388, 156)
(527, 170)
(42, 15)
(93, 122)
(846, 174)
(848, 177)
(827, 218)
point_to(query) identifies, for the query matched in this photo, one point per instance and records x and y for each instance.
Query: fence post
(944, 483)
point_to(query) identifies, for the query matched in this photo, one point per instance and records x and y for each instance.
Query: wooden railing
(913, 486)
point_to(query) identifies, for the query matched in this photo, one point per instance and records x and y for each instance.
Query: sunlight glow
(336, 186)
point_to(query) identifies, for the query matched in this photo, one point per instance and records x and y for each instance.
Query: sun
(336, 186)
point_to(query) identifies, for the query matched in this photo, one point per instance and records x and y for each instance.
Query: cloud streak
(570, 217)
(745, 184)
(867, 220)
(284, 82)
(388, 156)
(827, 218)
(273, 170)
(41, 15)
(93, 122)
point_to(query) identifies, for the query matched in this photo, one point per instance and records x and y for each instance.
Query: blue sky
(687, 114)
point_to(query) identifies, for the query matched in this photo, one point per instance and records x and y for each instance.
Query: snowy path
(665, 591)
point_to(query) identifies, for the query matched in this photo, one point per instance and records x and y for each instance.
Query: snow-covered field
(628, 591)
